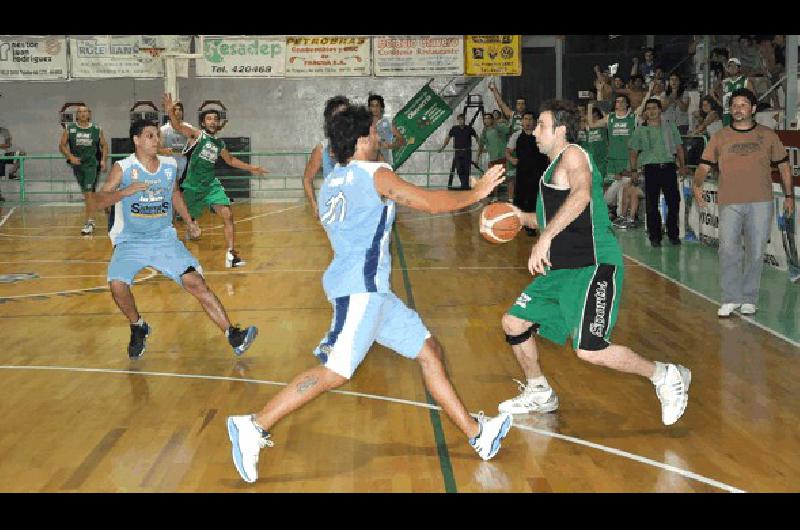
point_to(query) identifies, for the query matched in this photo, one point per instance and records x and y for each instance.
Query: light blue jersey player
(143, 191)
(175, 142)
(390, 137)
(321, 157)
(357, 208)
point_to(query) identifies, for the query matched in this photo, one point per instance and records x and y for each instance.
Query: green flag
(419, 119)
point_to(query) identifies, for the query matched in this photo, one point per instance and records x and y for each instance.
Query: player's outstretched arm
(388, 184)
(177, 125)
(238, 164)
(110, 194)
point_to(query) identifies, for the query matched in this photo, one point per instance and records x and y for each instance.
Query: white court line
(153, 272)
(683, 472)
(701, 295)
(243, 219)
(3, 221)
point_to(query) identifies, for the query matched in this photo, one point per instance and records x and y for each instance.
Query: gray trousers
(741, 259)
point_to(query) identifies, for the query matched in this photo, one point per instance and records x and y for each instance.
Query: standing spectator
(621, 124)
(735, 80)
(79, 144)
(645, 68)
(603, 88)
(530, 164)
(6, 149)
(635, 91)
(676, 108)
(660, 144)
(494, 138)
(594, 139)
(389, 135)
(656, 91)
(748, 55)
(744, 154)
(462, 151)
(514, 125)
(172, 142)
(708, 118)
(498, 117)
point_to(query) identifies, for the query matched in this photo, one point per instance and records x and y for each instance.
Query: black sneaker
(531, 231)
(655, 242)
(675, 241)
(241, 339)
(139, 335)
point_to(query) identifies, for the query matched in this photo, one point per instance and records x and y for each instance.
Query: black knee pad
(522, 337)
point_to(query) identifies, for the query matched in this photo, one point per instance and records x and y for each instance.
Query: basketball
(499, 223)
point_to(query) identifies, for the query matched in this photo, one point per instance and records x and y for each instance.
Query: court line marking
(152, 274)
(3, 221)
(618, 452)
(701, 295)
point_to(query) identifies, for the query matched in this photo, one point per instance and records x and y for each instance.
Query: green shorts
(198, 200)
(582, 303)
(615, 166)
(86, 175)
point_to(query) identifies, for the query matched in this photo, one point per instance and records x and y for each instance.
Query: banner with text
(105, 56)
(488, 55)
(331, 56)
(417, 120)
(423, 55)
(32, 58)
(242, 57)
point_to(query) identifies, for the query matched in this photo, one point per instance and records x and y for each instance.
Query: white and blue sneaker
(492, 432)
(247, 441)
(241, 339)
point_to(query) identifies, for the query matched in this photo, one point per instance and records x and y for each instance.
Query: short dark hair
(564, 113)
(533, 115)
(376, 97)
(653, 100)
(346, 128)
(461, 116)
(745, 93)
(178, 104)
(138, 126)
(624, 96)
(206, 113)
(637, 76)
(330, 106)
(597, 113)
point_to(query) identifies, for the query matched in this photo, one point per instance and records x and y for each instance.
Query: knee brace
(522, 337)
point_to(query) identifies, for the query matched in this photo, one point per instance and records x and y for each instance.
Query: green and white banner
(255, 56)
(105, 56)
(33, 58)
(420, 117)
(418, 55)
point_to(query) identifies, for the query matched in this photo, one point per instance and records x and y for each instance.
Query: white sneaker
(233, 260)
(726, 310)
(88, 229)
(532, 399)
(493, 430)
(247, 441)
(673, 392)
(748, 309)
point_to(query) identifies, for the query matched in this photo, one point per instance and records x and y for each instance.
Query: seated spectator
(709, 115)
(676, 104)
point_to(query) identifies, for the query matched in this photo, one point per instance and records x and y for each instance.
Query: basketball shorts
(86, 175)
(582, 303)
(197, 201)
(169, 256)
(361, 319)
(615, 166)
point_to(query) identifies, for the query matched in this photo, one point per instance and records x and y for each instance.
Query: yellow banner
(487, 55)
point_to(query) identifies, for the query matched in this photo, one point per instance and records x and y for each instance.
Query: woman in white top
(677, 104)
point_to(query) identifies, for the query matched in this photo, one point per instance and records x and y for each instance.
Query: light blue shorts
(363, 318)
(169, 256)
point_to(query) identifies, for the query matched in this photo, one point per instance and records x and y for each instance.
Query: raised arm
(180, 127)
(500, 103)
(388, 184)
(110, 194)
(602, 122)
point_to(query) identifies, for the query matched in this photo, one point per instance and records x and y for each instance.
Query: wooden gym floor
(79, 416)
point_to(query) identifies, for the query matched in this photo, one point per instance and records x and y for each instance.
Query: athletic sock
(139, 322)
(660, 373)
(538, 381)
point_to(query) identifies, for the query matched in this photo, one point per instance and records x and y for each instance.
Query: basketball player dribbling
(143, 189)
(579, 269)
(200, 187)
(357, 204)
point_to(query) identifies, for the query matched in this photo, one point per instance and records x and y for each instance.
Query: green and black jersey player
(578, 266)
(200, 187)
(79, 143)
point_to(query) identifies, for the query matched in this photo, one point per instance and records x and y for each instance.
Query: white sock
(538, 381)
(660, 373)
(139, 322)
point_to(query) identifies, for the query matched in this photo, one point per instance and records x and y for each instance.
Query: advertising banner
(420, 117)
(418, 55)
(328, 56)
(104, 56)
(33, 58)
(488, 55)
(242, 57)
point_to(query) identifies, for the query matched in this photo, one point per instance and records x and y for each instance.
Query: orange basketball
(499, 223)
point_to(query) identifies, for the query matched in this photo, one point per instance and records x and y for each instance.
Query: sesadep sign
(418, 55)
(242, 57)
(33, 58)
